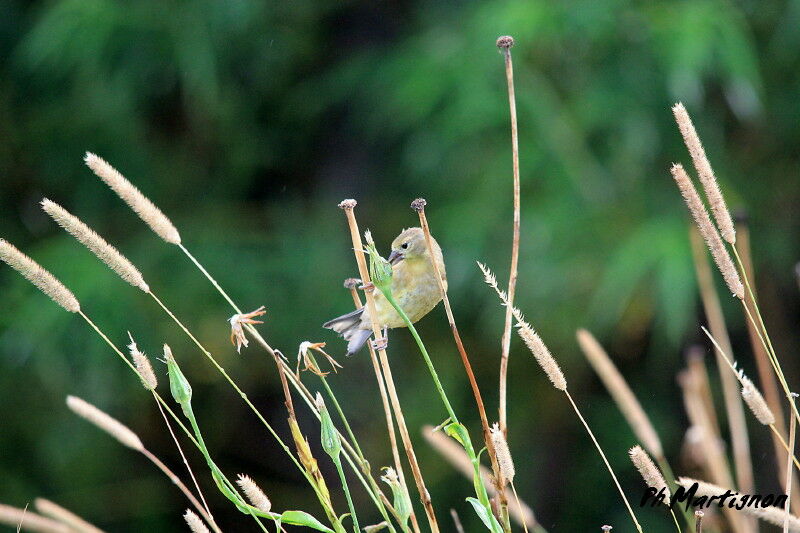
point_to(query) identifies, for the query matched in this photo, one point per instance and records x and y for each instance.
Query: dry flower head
(238, 338)
(304, 355)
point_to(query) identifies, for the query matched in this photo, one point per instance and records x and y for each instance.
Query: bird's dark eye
(404, 245)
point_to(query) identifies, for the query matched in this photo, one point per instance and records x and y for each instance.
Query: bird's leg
(367, 287)
(383, 342)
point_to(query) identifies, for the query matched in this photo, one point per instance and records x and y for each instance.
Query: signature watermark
(732, 500)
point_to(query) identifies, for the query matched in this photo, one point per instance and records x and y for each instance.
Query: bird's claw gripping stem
(367, 287)
(383, 342)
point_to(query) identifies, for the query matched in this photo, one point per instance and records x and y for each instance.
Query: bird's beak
(395, 257)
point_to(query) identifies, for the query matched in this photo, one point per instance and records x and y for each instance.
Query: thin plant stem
(387, 410)
(512, 277)
(763, 334)
(789, 471)
(480, 488)
(456, 521)
(231, 382)
(183, 488)
(498, 475)
(189, 413)
(669, 477)
(603, 456)
(343, 479)
(733, 400)
(387, 372)
(244, 395)
(130, 365)
(765, 373)
(359, 454)
(207, 515)
(374, 491)
(519, 506)
(779, 438)
(675, 520)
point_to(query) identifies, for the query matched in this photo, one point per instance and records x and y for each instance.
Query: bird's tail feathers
(345, 322)
(356, 339)
(347, 327)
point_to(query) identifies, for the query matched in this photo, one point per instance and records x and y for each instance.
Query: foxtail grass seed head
(705, 173)
(419, 204)
(755, 401)
(254, 493)
(542, 355)
(41, 278)
(348, 203)
(648, 470)
(194, 522)
(141, 205)
(505, 42)
(65, 516)
(502, 452)
(527, 333)
(142, 364)
(618, 388)
(718, 251)
(107, 423)
(96, 244)
(178, 384)
(22, 519)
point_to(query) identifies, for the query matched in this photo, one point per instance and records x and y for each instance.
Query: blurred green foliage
(248, 121)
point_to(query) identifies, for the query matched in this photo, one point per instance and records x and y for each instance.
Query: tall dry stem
(505, 43)
(418, 205)
(352, 285)
(733, 401)
(358, 247)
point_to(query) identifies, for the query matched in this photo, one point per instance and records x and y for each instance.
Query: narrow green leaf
(486, 517)
(301, 518)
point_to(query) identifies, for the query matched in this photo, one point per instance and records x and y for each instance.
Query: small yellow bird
(414, 288)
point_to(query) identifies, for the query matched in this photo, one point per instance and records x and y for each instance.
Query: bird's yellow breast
(415, 290)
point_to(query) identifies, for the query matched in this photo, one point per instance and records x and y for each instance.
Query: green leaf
(458, 432)
(486, 517)
(301, 518)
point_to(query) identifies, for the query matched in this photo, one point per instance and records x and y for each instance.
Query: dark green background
(247, 122)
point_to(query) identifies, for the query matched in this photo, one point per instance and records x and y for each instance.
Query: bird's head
(409, 245)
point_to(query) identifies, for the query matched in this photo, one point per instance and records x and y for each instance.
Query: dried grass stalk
(36, 274)
(649, 471)
(28, 521)
(107, 423)
(710, 235)
(618, 388)
(142, 206)
(96, 244)
(55, 511)
(705, 173)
